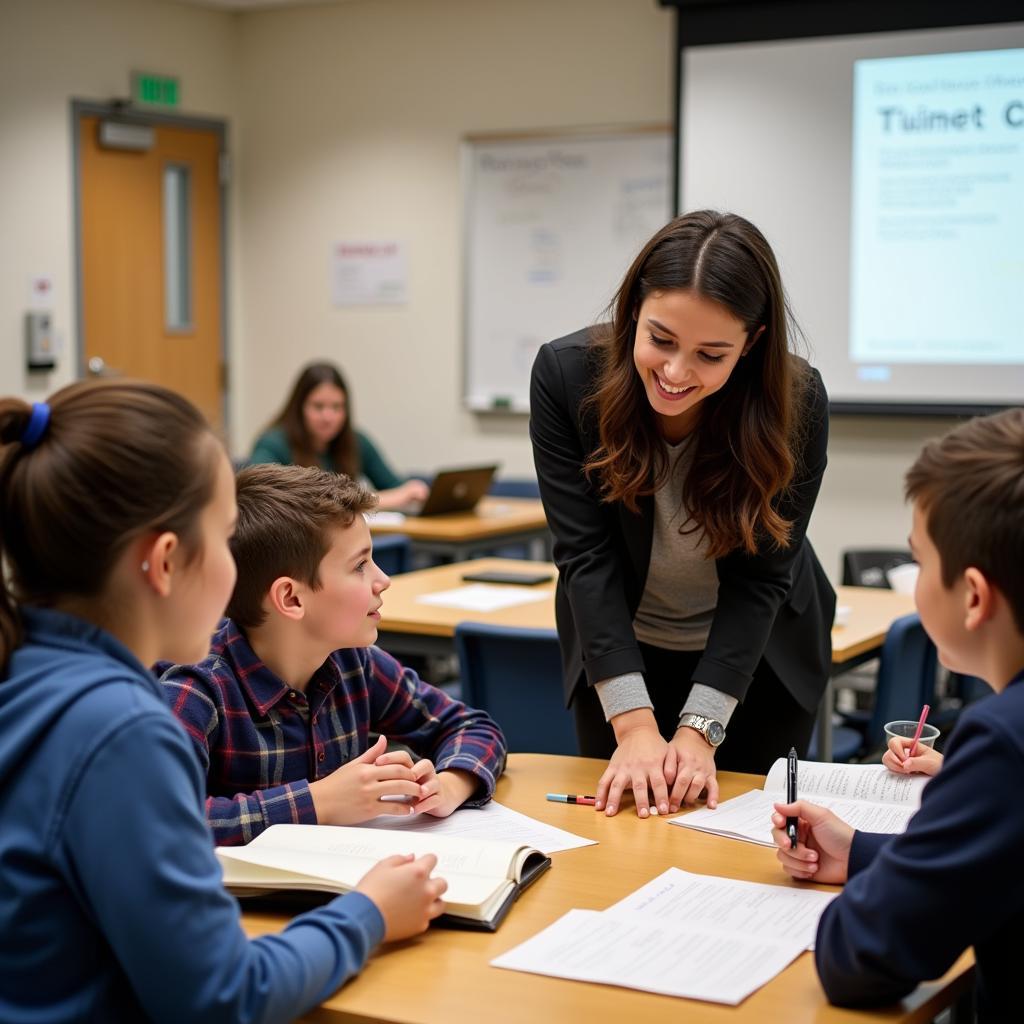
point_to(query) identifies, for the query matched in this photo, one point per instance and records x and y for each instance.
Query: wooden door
(152, 308)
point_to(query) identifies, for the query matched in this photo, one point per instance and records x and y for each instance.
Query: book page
(671, 958)
(817, 780)
(748, 816)
(492, 821)
(342, 855)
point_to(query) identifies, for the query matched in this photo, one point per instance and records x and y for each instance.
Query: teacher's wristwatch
(712, 731)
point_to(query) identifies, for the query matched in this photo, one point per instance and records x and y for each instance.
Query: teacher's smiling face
(686, 348)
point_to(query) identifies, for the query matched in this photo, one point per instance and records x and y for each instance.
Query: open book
(484, 877)
(867, 796)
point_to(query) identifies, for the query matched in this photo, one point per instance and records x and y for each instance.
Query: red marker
(571, 798)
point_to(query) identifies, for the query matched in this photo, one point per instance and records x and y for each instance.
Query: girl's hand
(403, 891)
(925, 762)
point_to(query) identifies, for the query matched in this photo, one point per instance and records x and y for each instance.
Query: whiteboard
(552, 223)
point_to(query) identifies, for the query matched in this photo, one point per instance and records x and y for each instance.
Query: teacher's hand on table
(690, 768)
(638, 762)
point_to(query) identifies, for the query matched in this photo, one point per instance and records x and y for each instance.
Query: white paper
(484, 597)
(696, 961)
(866, 796)
(751, 908)
(384, 517)
(492, 821)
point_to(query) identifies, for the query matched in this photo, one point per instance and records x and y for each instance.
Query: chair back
(515, 675)
(391, 552)
(514, 487)
(906, 677)
(864, 567)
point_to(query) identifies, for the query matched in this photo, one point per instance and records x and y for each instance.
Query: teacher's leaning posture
(680, 449)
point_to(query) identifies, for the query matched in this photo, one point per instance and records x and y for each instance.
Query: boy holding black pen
(914, 902)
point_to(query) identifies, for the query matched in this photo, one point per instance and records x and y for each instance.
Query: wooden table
(458, 535)
(444, 976)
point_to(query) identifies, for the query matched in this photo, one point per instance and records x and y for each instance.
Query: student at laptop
(315, 428)
(282, 709)
(116, 504)
(914, 902)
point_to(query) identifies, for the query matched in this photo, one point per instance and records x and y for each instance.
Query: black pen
(791, 823)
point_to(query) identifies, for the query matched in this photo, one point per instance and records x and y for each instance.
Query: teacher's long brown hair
(746, 437)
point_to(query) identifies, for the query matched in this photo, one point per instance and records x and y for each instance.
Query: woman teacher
(679, 451)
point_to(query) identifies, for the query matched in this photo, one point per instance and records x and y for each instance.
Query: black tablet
(526, 579)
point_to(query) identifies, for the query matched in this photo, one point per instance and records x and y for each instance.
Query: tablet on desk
(526, 579)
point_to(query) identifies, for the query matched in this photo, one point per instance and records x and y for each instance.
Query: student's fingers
(893, 763)
(430, 805)
(802, 870)
(671, 765)
(426, 863)
(398, 787)
(372, 753)
(402, 757)
(396, 860)
(436, 887)
(387, 772)
(811, 813)
(423, 769)
(395, 809)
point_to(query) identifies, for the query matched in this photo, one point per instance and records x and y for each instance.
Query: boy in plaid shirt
(281, 711)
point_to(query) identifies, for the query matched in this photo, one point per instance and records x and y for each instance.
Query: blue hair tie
(36, 426)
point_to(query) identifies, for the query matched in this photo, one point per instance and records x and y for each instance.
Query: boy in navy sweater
(914, 902)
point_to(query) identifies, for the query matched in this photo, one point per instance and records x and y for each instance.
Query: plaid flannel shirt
(261, 742)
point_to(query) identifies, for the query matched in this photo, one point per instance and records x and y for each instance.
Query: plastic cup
(906, 730)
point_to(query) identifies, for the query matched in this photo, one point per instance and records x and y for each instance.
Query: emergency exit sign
(155, 90)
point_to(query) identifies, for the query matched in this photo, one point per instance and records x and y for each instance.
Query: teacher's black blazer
(776, 604)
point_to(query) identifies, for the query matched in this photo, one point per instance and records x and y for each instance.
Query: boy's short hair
(970, 485)
(285, 518)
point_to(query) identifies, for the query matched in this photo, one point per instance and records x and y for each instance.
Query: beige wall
(345, 122)
(53, 51)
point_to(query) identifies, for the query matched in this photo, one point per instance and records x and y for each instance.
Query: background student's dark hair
(343, 450)
(117, 458)
(285, 515)
(970, 486)
(743, 457)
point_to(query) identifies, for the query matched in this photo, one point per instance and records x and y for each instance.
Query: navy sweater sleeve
(925, 896)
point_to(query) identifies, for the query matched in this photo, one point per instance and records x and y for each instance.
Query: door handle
(98, 368)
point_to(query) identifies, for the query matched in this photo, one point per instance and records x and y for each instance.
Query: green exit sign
(155, 90)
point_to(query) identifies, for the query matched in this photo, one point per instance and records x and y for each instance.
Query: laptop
(454, 490)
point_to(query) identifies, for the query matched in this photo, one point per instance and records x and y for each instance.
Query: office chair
(515, 675)
(866, 567)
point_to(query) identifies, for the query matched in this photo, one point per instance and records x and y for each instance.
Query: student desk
(444, 976)
(458, 535)
(410, 628)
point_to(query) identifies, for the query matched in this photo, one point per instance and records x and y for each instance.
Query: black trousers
(762, 728)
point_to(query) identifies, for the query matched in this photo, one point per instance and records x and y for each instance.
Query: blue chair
(515, 487)
(846, 744)
(515, 675)
(391, 552)
(907, 670)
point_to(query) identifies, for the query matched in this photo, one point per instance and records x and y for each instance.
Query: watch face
(715, 733)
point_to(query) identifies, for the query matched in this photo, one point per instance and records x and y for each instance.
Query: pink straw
(919, 730)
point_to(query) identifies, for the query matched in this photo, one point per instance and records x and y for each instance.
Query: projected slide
(937, 228)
